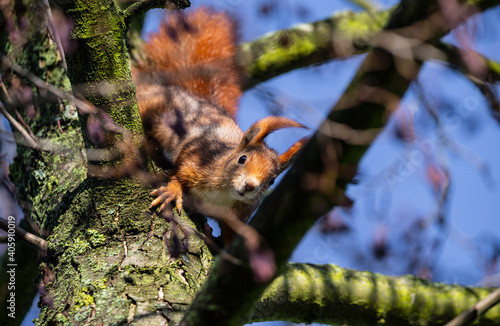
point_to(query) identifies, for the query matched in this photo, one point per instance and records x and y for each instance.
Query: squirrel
(188, 90)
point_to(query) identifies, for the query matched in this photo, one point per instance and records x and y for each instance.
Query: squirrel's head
(254, 166)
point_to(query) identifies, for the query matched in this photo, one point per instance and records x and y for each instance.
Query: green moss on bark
(110, 268)
(343, 34)
(100, 64)
(332, 295)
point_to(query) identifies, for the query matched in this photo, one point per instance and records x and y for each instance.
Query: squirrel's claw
(167, 194)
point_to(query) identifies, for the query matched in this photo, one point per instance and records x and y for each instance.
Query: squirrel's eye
(242, 159)
(271, 182)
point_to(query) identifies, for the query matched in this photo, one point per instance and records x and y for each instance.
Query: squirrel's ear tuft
(262, 128)
(287, 158)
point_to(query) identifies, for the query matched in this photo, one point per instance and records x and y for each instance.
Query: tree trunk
(107, 260)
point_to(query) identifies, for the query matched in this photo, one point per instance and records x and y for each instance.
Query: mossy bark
(339, 36)
(41, 178)
(331, 295)
(342, 35)
(107, 257)
(110, 264)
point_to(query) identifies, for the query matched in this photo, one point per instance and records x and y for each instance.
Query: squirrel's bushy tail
(197, 52)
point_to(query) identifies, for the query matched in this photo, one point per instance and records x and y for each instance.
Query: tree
(110, 260)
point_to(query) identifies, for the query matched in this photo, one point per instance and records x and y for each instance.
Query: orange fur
(264, 127)
(199, 49)
(287, 158)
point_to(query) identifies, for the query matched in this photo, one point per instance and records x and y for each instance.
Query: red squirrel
(188, 90)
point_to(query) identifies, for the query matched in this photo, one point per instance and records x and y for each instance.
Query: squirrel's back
(197, 53)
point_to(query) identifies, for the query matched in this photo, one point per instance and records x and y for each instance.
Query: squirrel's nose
(250, 186)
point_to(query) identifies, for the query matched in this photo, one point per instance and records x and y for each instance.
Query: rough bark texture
(107, 262)
(41, 178)
(108, 270)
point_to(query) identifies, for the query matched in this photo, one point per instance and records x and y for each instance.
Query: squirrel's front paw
(167, 194)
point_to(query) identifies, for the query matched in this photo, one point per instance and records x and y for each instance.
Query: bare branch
(488, 72)
(4, 90)
(55, 33)
(139, 8)
(478, 310)
(82, 105)
(32, 142)
(461, 151)
(36, 242)
(347, 134)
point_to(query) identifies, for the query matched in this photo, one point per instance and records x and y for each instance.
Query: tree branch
(32, 142)
(339, 36)
(329, 294)
(478, 310)
(36, 242)
(454, 57)
(55, 33)
(141, 7)
(38, 82)
(486, 71)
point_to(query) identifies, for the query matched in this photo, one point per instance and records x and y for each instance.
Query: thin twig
(188, 229)
(460, 150)
(489, 94)
(4, 177)
(55, 34)
(32, 142)
(36, 242)
(7, 96)
(479, 309)
(18, 115)
(82, 105)
(137, 9)
(347, 134)
(482, 80)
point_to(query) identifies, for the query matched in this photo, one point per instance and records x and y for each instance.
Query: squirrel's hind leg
(166, 194)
